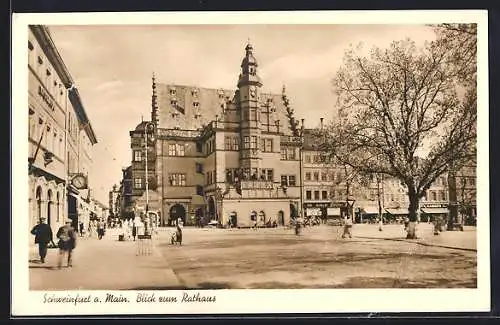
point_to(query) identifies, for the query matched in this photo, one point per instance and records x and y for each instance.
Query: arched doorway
(293, 211)
(211, 208)
(281, 218)
(234, 219)
(199, 217)
(262, 218)
(49, 207)
(253, 218)
(38, 203)
(176, 211)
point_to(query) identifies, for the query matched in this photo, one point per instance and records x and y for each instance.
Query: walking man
(347, 227)
(67, 242)
(81, 228)
(43, 236)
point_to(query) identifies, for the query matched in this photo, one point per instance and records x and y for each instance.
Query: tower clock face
(252, 91)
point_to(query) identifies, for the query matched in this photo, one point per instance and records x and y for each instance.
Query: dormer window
(173, 102)
(194, 92)
(172, 91)
(30, 46)
(48, 73)
(40, 60)
(196, 104)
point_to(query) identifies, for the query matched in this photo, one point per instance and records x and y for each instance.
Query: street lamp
(350, 204)
(301, 135)
(146, 127)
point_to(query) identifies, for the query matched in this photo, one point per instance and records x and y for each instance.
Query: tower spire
(154, 103)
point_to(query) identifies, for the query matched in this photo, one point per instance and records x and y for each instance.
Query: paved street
(268, 258)
(102, 264)
(319, 258)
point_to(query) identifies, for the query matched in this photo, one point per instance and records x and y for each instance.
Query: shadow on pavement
(413, 241)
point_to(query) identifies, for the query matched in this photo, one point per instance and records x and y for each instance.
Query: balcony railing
(179, 133)
(290, 139)
(256, 184)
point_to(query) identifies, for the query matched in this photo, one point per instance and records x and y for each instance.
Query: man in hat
(43, 236)
(67, 241)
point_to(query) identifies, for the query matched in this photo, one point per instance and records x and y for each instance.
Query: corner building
(217, 154)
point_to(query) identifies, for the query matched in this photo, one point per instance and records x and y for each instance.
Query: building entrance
(176, 212)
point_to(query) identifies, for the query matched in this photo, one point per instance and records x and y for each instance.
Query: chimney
(321, 123)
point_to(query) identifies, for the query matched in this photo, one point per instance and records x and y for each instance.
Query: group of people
(134, 227)
(94, 228)
(66, 243)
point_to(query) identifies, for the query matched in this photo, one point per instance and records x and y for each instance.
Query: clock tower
(249, 84)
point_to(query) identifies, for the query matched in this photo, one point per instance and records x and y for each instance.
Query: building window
(472, 181)
(307, 158)
(196, 104)
(316, 195)
(172, 92)
(288, 153)
(308, 176)
(266, 174)
(433, 196)
(175, 149)
(227, 143)
(246, 142)
(316, 176)
(138, 183)
(199, 168)
(137, 155)
(324, 195)
(323, 176)
(253, 144)
(291, 180)
(199, 190)
(199, 147)
(308, 195)
(284, 180)
(268, 145)
(177, 179)
(442, 196)
(173, 102)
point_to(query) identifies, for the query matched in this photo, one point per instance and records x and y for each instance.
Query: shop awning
(397, 211)
(370, 210)
(197, 200)
(333, 211)
(435, 210)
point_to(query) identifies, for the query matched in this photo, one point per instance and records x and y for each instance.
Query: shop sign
(46, 97)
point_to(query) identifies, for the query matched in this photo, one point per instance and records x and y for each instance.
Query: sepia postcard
(250, 162)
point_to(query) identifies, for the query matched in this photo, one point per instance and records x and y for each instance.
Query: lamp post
(350, 204)
(146, 126)
(301, 134)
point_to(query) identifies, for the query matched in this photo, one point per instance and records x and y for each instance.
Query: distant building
(113, 202)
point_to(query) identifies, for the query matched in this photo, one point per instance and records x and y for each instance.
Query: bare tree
(400, 114)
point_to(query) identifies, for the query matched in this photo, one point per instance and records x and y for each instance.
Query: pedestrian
(380, 224)
(406, 223)
(134, 228)
(43, 236)
(67, 242)
(81, 228)
(100, 229)
(347, 227)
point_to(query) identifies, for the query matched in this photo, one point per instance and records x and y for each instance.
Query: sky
(112, 67)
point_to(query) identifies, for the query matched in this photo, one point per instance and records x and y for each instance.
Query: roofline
(75, 99)
(42, 34)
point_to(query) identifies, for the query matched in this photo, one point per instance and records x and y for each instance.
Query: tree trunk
(412, 214)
